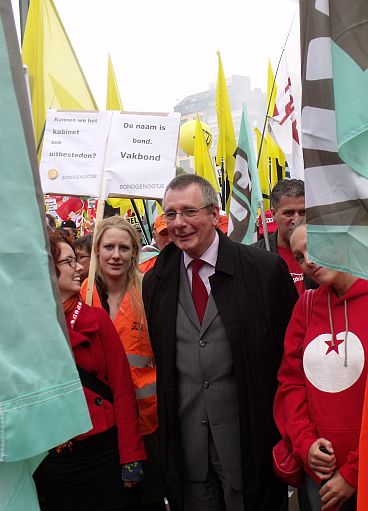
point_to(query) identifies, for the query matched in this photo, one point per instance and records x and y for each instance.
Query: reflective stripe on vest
(146, 391)
(139, 360)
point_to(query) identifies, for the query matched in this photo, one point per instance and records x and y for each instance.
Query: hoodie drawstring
(346, 328)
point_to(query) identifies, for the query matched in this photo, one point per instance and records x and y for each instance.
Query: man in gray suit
(217, 313)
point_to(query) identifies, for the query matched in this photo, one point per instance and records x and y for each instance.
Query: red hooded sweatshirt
(323, 373)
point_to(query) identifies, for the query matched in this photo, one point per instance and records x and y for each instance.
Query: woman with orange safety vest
(117, 289)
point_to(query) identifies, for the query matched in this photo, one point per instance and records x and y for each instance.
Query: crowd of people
(198, 355)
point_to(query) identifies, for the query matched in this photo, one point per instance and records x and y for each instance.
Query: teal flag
(334, 46)
(42, 402)
(246, 191)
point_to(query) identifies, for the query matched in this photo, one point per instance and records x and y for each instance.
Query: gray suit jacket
(207, 392)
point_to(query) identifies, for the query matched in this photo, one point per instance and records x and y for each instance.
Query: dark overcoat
(254, 295)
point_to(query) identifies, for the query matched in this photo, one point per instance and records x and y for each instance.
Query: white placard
(135, 152)
(141, 154)
(73, 152)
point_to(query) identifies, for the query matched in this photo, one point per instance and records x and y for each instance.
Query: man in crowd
(50, 222)
(70, 227)
(287, 206)
(217, 313)
(161, 238)
(83, 249)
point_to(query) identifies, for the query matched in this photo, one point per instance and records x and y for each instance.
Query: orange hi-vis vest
(137, 345)
(147, 265)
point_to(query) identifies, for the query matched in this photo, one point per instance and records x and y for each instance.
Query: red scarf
(70, 304)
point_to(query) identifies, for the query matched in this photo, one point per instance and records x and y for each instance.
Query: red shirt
(294, 268)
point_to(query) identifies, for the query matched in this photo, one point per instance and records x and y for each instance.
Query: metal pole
(264, 223)
(223, 185)
(139, 220)
(147, 217)
(23, 12)
(272, 89)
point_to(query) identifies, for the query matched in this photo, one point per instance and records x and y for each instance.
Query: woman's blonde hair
(134, 277)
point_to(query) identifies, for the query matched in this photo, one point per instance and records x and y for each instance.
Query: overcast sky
(164, 50)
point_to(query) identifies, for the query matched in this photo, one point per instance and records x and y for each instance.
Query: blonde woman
(118, 290)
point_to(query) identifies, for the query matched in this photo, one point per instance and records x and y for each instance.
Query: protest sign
(134, 152)
(141, 154)
(73, 152)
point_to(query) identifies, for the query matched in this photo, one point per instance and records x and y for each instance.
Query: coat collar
(169, 259)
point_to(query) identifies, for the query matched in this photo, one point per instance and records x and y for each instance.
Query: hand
(130, 484)
(323, 465)
(132, 474)
(335, 492)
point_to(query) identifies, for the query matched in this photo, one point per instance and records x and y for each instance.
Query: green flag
(42, 402)
(334, 42)
(246, 191)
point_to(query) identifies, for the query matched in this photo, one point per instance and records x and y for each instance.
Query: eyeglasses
(72, 261)
(186, 213)
(81, 257)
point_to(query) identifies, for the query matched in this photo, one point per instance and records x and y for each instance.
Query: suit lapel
(210, 314)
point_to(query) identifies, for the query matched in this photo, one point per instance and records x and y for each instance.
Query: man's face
(84, 260)
(71, 231)
(162, 238)
(287, 214)
(193, 235)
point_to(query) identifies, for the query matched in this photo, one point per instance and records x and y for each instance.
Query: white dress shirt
(208, 268)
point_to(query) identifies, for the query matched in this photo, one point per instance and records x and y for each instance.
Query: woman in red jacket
(91, 470)
(322, 378)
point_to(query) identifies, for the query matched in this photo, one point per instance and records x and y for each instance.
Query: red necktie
(199, 291)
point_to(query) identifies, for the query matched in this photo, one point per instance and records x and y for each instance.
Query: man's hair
(52, 221)
(84, 242)
(286, 187)
(183, 181)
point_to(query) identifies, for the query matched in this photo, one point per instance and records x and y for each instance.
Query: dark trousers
(310, 500)
(215, 493)
(152, 487)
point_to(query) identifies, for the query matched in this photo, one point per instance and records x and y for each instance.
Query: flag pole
(147, 217)
(99, 217)
(139, 220)
(23, 13)
(272, 89)
(264, 223)
(223, 185)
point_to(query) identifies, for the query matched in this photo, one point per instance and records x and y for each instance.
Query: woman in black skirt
(93, 470)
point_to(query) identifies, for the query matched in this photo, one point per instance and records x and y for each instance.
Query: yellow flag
(56, 77)
(271, 90)
(276, 158)
(271, 166)
(226, 145)
(113, 101)
(202, 159)
(264, 169)
(125, 205)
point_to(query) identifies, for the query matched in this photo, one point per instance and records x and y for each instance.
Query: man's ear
(216, 214)
(273, 211)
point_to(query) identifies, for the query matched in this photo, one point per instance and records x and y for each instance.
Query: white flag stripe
(237, 209)
(323, 6)
(319, 129)
(319, 62)
(336, 183)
